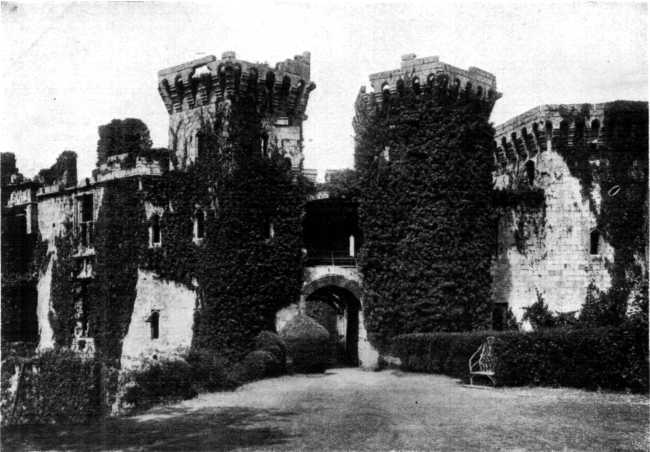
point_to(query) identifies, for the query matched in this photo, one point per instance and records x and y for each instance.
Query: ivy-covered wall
(424, 162)
(249, 264)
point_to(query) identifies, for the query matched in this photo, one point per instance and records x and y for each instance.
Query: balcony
(340, 258)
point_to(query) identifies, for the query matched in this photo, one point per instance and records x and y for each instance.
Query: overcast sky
(67, 68)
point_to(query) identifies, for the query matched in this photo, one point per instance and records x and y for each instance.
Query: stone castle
(551, 248)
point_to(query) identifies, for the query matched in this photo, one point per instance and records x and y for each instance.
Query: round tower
(424, 160)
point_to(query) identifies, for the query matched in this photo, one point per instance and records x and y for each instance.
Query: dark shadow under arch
(333, 280)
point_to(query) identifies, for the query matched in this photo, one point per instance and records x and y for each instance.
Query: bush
(607, 358)
(273, 343)
(593, 358)
(159, 382)
(259, 364)
(209, 371)
(308, 344)
(56, 387)
(444, 353)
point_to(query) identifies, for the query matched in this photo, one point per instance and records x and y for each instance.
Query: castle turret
(429, 75)
(423, 158)
(201, 93)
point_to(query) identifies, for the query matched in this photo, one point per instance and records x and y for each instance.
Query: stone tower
(203, 91)
(424, 159)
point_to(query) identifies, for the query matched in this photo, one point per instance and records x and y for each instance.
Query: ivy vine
(425, 165)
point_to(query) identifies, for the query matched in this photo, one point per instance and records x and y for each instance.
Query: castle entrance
(337, 309)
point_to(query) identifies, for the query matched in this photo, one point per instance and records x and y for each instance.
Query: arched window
(400, 87)
(269, 230)
(548, 131)
(264, 144)
(468, 89)
(154, 231)
(178, 84)
(579, 129)
(530, 172)
(594, 242)
(595, 128)
(154, 324)
(286, 86)
(199, 225)
(416, 85)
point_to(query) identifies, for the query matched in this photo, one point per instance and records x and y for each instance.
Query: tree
(121, 136)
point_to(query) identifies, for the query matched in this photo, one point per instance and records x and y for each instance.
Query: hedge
(56, 386)
(158, 382)
(614, 358)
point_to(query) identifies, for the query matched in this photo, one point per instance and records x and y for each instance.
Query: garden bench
(483, 362)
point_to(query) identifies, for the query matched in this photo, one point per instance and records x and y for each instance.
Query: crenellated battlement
(558, 128)
(196, 93)
(282, 91)
(431, 76)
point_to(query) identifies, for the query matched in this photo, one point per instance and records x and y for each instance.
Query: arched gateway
(331, 291)
(335, 302)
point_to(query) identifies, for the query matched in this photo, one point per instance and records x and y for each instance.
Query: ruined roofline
(206, 80)
(88, 183)
(299, 66)
(539, 129)
(554, 114)
(429, 68)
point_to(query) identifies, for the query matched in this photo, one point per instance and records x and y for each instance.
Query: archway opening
(337, 309)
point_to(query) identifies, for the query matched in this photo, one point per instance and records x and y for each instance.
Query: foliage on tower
(424, 164)
(249, 264)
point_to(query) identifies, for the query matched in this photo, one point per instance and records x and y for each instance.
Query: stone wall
(547, 249)
(175, 306)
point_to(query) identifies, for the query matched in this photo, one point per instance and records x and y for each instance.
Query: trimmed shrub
(592, 358)
(209, 371)
(55, 387)
(308, 344)
(273, 343)
(158, 382)
(444, 353)
(260, 364)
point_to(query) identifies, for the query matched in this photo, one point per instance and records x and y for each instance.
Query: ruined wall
(558, 248)
(174, 304)
(58, 214)
(546, 249)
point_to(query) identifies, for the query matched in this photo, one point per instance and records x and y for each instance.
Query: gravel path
(349, 409)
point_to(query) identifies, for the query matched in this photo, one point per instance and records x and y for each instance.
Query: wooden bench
(483, 362)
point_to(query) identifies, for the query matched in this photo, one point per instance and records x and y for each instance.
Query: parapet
(558, 127)
(430, 75)
(283, 89)
(429, 69)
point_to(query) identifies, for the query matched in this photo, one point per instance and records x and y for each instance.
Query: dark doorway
(337, 309)
(331, 232)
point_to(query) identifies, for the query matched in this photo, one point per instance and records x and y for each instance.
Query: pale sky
(68, 68)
